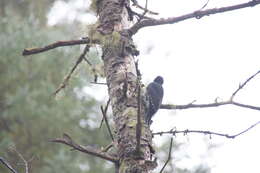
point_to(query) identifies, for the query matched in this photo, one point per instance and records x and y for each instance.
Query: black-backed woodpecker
(154, 94)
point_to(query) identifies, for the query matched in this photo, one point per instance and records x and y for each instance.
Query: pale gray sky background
(200, 60)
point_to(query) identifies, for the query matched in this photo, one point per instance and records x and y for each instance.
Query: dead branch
(137, 70)
(243, 84)
(145, 11)
(66, 79)
(23, 159)
(67, 140)
(169, 156)
(230, 101)
(104, 113)
(106, 148)
(244, 131)
(138, 124)
(196, 14)
(85, 40)
(204, 5)
(208, 105)
(98, 83)
(8, 165)
(185, 132)
(140, 16)
(135, 3)
(93, 69)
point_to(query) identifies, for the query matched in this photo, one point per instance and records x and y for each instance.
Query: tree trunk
(122, 81)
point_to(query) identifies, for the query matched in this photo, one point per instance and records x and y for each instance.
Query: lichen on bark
(121, 76)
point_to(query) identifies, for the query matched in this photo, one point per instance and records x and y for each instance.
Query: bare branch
(23, 159)
(244, 131)
(6, 163)
(196, 14)
(138, 125)
(169, 156)
(145, 11)
(204, 5)
(66, 79)
(137, 70)
(140, 16)
(93, 69)
(85, 40)
(105, 149)
(85, 149)
(135, 3)
(216, 103)
(241, 86)
(98, 83)
(104, 113)
(174, 132)
(187, 106)
(246, 106)
(208, 105)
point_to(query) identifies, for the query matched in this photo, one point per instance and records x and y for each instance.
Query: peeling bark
(122, 84)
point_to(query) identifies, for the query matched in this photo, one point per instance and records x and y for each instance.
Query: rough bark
(123, 84)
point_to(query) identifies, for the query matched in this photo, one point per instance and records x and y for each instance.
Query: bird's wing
(155, 92)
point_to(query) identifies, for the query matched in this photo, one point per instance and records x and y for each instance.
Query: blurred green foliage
(29, 114)
(25, 8)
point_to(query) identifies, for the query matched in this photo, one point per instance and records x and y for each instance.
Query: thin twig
(135, 3)
(32, 158)
(23, 159)
(106, 121)
(105, 149)
(137, 70)
(145, 11)
(105, 112)
(85, 149)
(88, 62)
(204, 5)
(30, 51)
(7, 164)
(140, 16)
(67, 77)
(138, 125)
(216, 103)
(98, 83)
(174, 132)
(244, 131)
(196, 14)
(93, 69)
(169, 156)
(243, 84)
(208, 105)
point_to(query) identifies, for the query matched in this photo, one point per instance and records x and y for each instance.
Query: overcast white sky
(201, 60)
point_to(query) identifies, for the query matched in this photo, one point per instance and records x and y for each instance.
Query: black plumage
(154, 93)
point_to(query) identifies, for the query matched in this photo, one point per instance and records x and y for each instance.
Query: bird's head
(159, 79)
